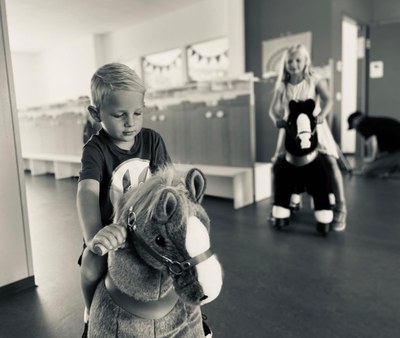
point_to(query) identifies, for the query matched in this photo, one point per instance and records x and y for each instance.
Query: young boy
(121, 155)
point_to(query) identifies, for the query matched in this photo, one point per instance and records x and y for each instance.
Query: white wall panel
(16, 257)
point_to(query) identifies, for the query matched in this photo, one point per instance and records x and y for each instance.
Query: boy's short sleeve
(160, 154)
(91, 163)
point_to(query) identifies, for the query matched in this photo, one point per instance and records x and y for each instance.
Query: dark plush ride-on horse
(155, 285)
(302, 168)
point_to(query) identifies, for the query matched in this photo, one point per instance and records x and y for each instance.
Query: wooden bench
(229, 182)
(244, 185)
(62, 166)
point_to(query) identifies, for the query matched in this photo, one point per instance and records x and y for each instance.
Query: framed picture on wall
(163, 70)
(208, 60)
(273, 50)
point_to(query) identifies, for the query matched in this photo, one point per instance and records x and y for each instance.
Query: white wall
(56, 75)
(202, 21)
(26, 79)
(236, 38)
(64, 73)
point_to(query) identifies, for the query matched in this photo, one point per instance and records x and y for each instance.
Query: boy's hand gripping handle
(109, 238)
(100, 249)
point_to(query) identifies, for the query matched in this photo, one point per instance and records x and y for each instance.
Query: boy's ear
(95, 113)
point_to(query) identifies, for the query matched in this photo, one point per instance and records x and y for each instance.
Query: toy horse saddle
(147, 310)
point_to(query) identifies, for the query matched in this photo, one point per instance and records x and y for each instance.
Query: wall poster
(163, 70)
(208, 60)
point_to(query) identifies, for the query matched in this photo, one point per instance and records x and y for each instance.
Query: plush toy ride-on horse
(155, 285)
(302, 168)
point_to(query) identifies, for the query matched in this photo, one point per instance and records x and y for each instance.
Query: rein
(174, 267)
(300, 161)
(312, 132)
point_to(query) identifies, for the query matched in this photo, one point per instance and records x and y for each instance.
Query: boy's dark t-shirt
(89, 130)
(117, 170)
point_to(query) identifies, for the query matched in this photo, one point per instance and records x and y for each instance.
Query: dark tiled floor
(292, 283)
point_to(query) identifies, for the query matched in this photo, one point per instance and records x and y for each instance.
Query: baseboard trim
(18, 286)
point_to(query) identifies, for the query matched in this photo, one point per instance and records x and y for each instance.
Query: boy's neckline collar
(121, 150)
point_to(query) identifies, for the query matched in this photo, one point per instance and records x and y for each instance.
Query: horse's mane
(145, 197)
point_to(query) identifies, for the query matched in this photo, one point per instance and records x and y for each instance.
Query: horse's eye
(160, 241)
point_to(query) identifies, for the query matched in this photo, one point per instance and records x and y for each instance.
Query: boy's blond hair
(112, 77)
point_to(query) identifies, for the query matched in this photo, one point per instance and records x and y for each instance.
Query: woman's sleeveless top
(303, 90)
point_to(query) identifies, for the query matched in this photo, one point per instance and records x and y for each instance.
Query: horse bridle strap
(300, 161)
(155, 309)
(174, 267)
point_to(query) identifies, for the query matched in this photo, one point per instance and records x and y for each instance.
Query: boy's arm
(98, 239)
(89, 209)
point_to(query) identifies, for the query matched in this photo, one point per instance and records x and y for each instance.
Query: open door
(355, 44)
(349, 82)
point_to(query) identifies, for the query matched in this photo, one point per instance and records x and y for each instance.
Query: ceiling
(37, 25)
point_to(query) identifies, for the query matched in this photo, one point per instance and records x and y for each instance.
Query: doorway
(355, 48)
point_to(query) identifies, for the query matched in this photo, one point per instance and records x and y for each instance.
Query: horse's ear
(196, 184)
(166, 206)
(292, 105)
(310, 105)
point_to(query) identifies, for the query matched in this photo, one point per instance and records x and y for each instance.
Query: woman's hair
(284, 76)
(112, 77)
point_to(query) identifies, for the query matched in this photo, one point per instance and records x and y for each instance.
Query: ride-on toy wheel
(281, 223)
(323, 228)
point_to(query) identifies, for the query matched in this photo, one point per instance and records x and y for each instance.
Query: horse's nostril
(203, 298)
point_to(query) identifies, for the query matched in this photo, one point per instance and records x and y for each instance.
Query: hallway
(292, 283)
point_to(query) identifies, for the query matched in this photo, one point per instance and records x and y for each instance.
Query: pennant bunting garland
(217, 58)
(161, 68)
